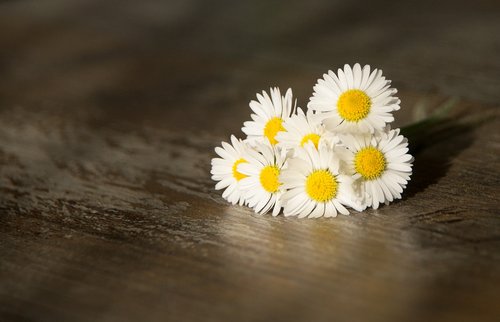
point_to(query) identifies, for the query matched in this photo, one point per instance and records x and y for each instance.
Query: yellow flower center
(354, 105)
(370, 163)
(236, 174)
(273, 126)
(269, 178)
(313, 137)
(321, 185)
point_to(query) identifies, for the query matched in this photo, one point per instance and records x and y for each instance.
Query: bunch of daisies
(338, 154)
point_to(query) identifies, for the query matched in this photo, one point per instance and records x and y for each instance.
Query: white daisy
(262, 187)
(270, 113)
(381, 162)
(303, 128)
(315, 187)
(355, 100)
(225, 169)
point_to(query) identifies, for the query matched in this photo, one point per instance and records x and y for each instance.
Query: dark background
(109, 112)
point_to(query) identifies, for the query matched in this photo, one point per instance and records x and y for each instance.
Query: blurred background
(109, 112)
(181, 54)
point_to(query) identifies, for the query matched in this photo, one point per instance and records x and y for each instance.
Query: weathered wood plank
(108, 118)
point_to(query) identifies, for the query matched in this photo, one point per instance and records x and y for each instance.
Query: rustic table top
(109, 113)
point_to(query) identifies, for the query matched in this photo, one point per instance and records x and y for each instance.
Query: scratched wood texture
(109, 112)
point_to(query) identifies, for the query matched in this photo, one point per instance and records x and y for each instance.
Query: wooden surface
(109, 112)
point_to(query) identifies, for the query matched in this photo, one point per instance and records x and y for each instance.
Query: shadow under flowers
(435, 143)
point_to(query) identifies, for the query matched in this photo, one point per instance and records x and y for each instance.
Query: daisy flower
(355, 100)
(315, 187)
(381, 162)
(269, 114)
(261, 185)
(303, 128)
(225, 170)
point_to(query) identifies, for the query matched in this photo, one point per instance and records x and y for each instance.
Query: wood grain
(109, 113)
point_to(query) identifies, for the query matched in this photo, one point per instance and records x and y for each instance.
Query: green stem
(416, 131)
